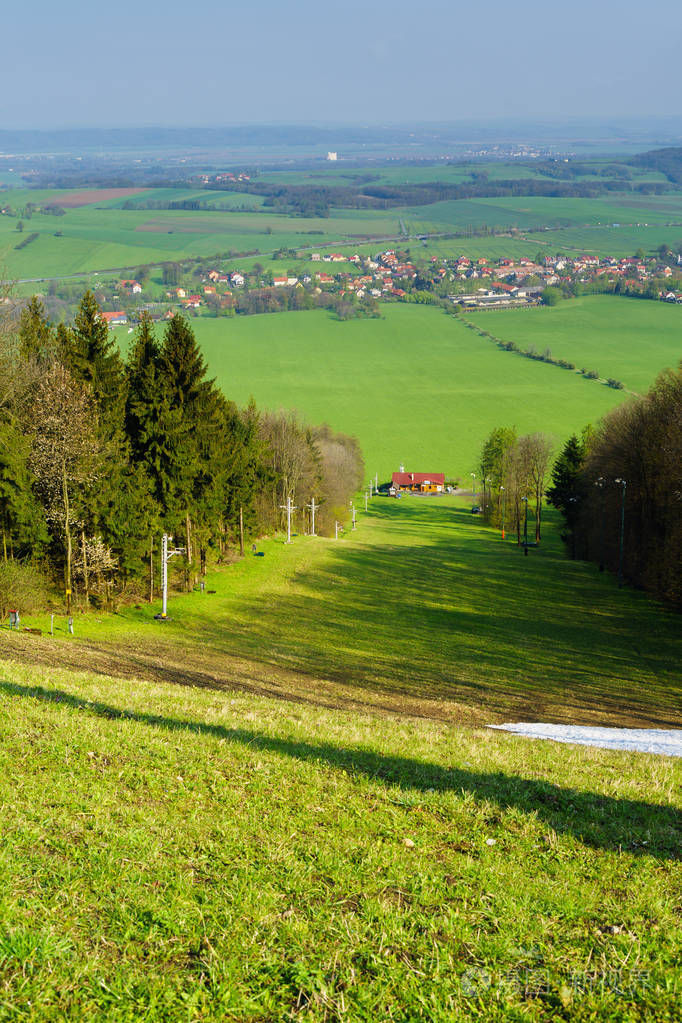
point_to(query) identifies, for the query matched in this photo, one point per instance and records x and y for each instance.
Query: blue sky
(68, 64)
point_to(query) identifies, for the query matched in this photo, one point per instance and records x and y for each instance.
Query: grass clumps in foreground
(180, 854)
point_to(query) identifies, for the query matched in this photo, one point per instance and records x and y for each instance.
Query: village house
(133, 286)
(116, 319)
(418, 482)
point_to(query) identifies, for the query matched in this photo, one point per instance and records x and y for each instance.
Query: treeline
(317, 200)
(540, 356)
(513, 471)
(275, 300)
(619, 489)
(99, 455)
(666, 161)
(201, 205)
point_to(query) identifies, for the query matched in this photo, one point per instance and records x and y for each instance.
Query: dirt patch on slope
(191, 665)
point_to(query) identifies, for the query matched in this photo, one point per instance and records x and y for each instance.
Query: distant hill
(667, 161)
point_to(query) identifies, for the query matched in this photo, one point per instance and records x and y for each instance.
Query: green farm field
(628, 339)
(536, 211)
(416, 387)
(102, 235)
(284, 803)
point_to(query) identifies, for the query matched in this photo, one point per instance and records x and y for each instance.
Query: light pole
(490, 492)
(473, 476)
(504, 502)
(525, 528)
(622, 531)
(600, 483)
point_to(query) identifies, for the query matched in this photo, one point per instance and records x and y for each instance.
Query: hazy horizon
(70, 67)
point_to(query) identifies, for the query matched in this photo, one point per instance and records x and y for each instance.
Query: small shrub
(617, 384)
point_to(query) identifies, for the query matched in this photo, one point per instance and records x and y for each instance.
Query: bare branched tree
(64, 453)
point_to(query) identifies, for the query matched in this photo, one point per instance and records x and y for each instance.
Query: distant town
(391, 274)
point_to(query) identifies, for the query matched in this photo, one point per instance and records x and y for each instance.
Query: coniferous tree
(36, 338)
(22, 525)
(91, 356)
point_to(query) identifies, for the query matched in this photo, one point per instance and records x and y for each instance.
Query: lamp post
(600, 483)
(525, 528)
(473, 476)
(624, 484)
(504, 502)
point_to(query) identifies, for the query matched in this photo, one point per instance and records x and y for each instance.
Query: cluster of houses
(506, 281)
(218, 179)
(390, 274)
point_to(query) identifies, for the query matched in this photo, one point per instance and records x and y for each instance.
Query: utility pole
(336, 530)
(166, 555)
(599, 483)
(622, 532)
(353, 507)
(289, 509)
(312, 507)
(365, 500)
(151, 568)
(504, 501)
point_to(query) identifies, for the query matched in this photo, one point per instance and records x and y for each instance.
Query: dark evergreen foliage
(98, 457)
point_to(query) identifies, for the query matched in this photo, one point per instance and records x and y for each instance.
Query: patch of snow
(666, 742)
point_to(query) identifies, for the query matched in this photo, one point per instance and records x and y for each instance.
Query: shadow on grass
(444, 610)
(599, 821)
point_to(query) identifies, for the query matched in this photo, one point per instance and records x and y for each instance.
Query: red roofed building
(419, 482)
(114, 319)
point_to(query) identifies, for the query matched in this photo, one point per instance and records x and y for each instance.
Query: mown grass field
(627, 339)
(359, 847)
(415, 386)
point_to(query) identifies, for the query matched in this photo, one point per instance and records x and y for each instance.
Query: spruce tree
(36, 337)
(91, 356)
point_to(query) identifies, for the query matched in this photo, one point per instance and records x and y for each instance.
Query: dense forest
(317, 200)
(100, 455)
(667, 161)
(618, 487)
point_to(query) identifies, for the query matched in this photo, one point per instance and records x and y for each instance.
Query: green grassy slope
(415, 386)
(628, 339)
(203, 852)
(421, 606)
